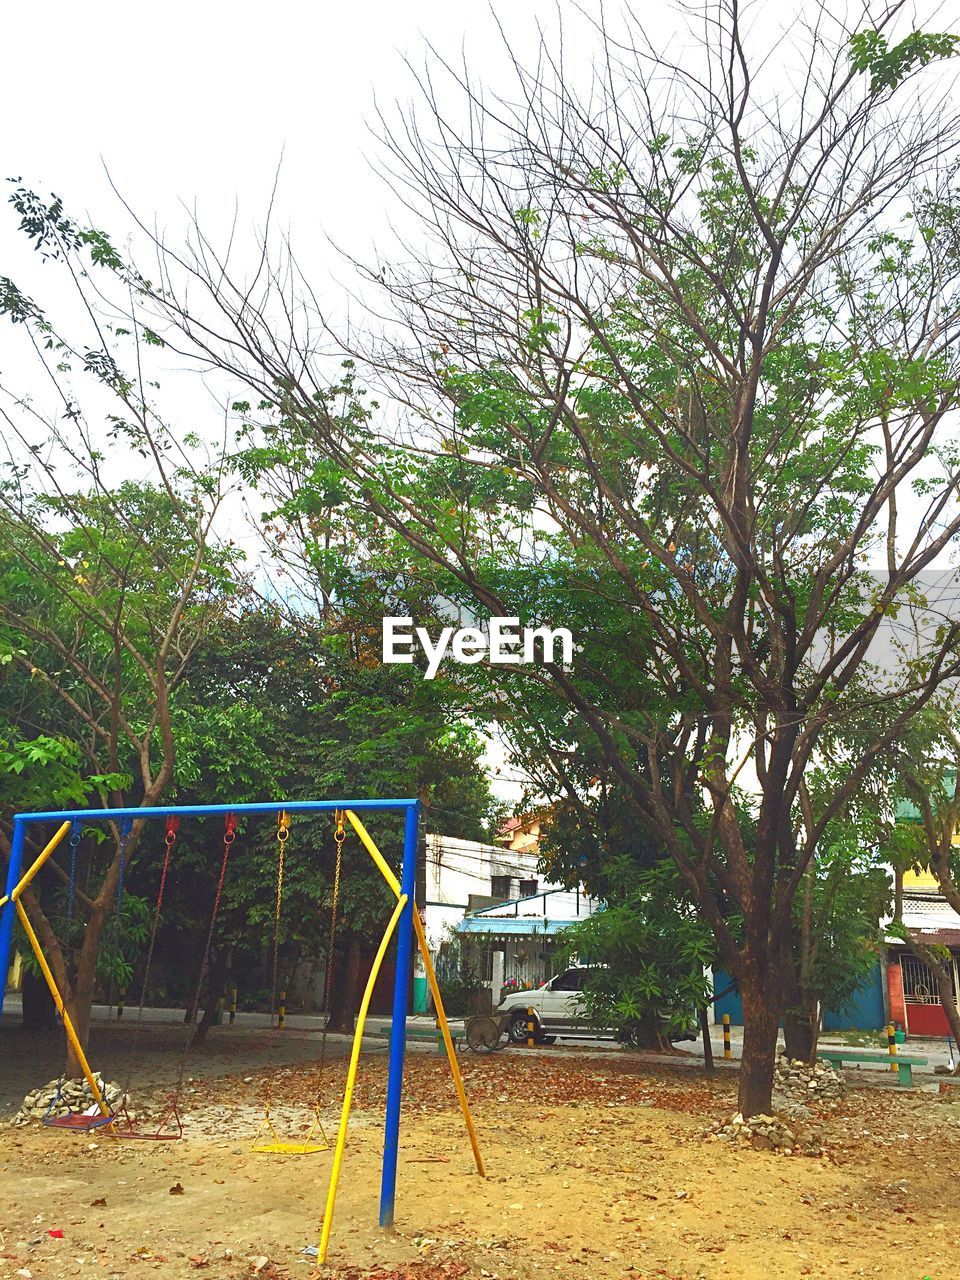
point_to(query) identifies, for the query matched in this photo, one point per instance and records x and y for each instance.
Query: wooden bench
(903, 1062)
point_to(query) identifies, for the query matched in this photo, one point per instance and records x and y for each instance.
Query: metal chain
(126, 826)
(339, 836)
(74, 849)
(229, 835)
(283, 832)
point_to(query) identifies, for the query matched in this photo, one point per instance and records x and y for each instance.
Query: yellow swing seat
(269, 1142)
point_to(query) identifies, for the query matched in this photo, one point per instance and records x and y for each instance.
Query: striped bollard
(233, 1005)
(282, 1011)
(726, 1036)
(531, 1028)
(892, 1045)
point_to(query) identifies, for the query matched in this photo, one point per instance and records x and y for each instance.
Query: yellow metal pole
(448, 1043)
(58, 1001)
(394, 884)
(60, 833)
(352, 1077)
(374, 852)
(726, 1036)
(892, 1045)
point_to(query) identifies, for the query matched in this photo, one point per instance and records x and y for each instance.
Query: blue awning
(511, 925)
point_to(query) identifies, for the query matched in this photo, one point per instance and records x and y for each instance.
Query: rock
(61, 1097)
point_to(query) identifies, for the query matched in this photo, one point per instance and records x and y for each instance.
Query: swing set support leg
(61, 1009)
(352, 1079)
(394, 884)
(398, 1028)
(7, 912)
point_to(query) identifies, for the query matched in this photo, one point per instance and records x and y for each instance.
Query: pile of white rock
(61, 1097)
(767, 1133)
(797, 1086)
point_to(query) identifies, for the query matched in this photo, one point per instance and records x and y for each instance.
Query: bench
(417, 1033)
(903, 1062)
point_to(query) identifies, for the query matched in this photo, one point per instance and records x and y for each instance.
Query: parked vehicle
(558, 1009)
(558, 1006)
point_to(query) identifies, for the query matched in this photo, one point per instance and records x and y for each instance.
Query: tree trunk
(216, 986)
(345, 998)
(80, 1017)
(760, 1024)
(79, 1002)
(39, 1011)
(800, 1041)
(704, 1018)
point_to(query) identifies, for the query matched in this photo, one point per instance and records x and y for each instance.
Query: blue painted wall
(863, 1012)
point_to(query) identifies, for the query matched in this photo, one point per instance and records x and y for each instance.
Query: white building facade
(505, 914)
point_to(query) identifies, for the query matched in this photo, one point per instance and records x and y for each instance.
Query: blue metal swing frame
(398, 1037)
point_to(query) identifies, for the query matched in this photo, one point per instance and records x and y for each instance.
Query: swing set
(404, 922)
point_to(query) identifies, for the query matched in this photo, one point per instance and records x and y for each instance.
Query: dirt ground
(597, 1167)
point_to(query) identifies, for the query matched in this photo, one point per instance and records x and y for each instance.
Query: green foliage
(889, 67)
(649, 949)
(457, 976)
(851, 896)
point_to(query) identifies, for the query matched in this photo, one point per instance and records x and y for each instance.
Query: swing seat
(170, 1128)
(78, 1121)
(269, 1142)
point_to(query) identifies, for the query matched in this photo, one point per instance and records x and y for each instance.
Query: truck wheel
(518, 1027)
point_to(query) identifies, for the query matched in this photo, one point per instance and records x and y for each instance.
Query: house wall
(458, 868)
(863, 1012)
(898, 1009)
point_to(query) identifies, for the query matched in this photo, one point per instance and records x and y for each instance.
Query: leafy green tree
(282, 707)
(683, 339)
(79, 624)
(650, 950)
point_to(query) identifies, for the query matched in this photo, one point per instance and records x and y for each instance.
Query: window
(500, 886)
(528, 888)
(572, 980)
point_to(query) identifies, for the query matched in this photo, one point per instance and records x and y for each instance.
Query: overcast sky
(197, 101)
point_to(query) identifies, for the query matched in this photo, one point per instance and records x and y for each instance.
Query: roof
(510, 925)
(931, 918)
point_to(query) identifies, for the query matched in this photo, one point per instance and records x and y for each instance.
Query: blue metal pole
(398, 1028)
(14, 872)
(186, 810)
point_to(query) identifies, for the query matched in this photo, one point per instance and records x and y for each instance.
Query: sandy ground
(597, 1168)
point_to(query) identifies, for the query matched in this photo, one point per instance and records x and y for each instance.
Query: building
(495, 902)
(900, 988)
(913, 994)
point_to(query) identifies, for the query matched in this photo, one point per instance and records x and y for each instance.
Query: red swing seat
(169, 1129)
(78, 1121)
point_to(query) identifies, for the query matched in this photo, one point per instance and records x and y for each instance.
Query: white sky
(194, 103)
(188, 101)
